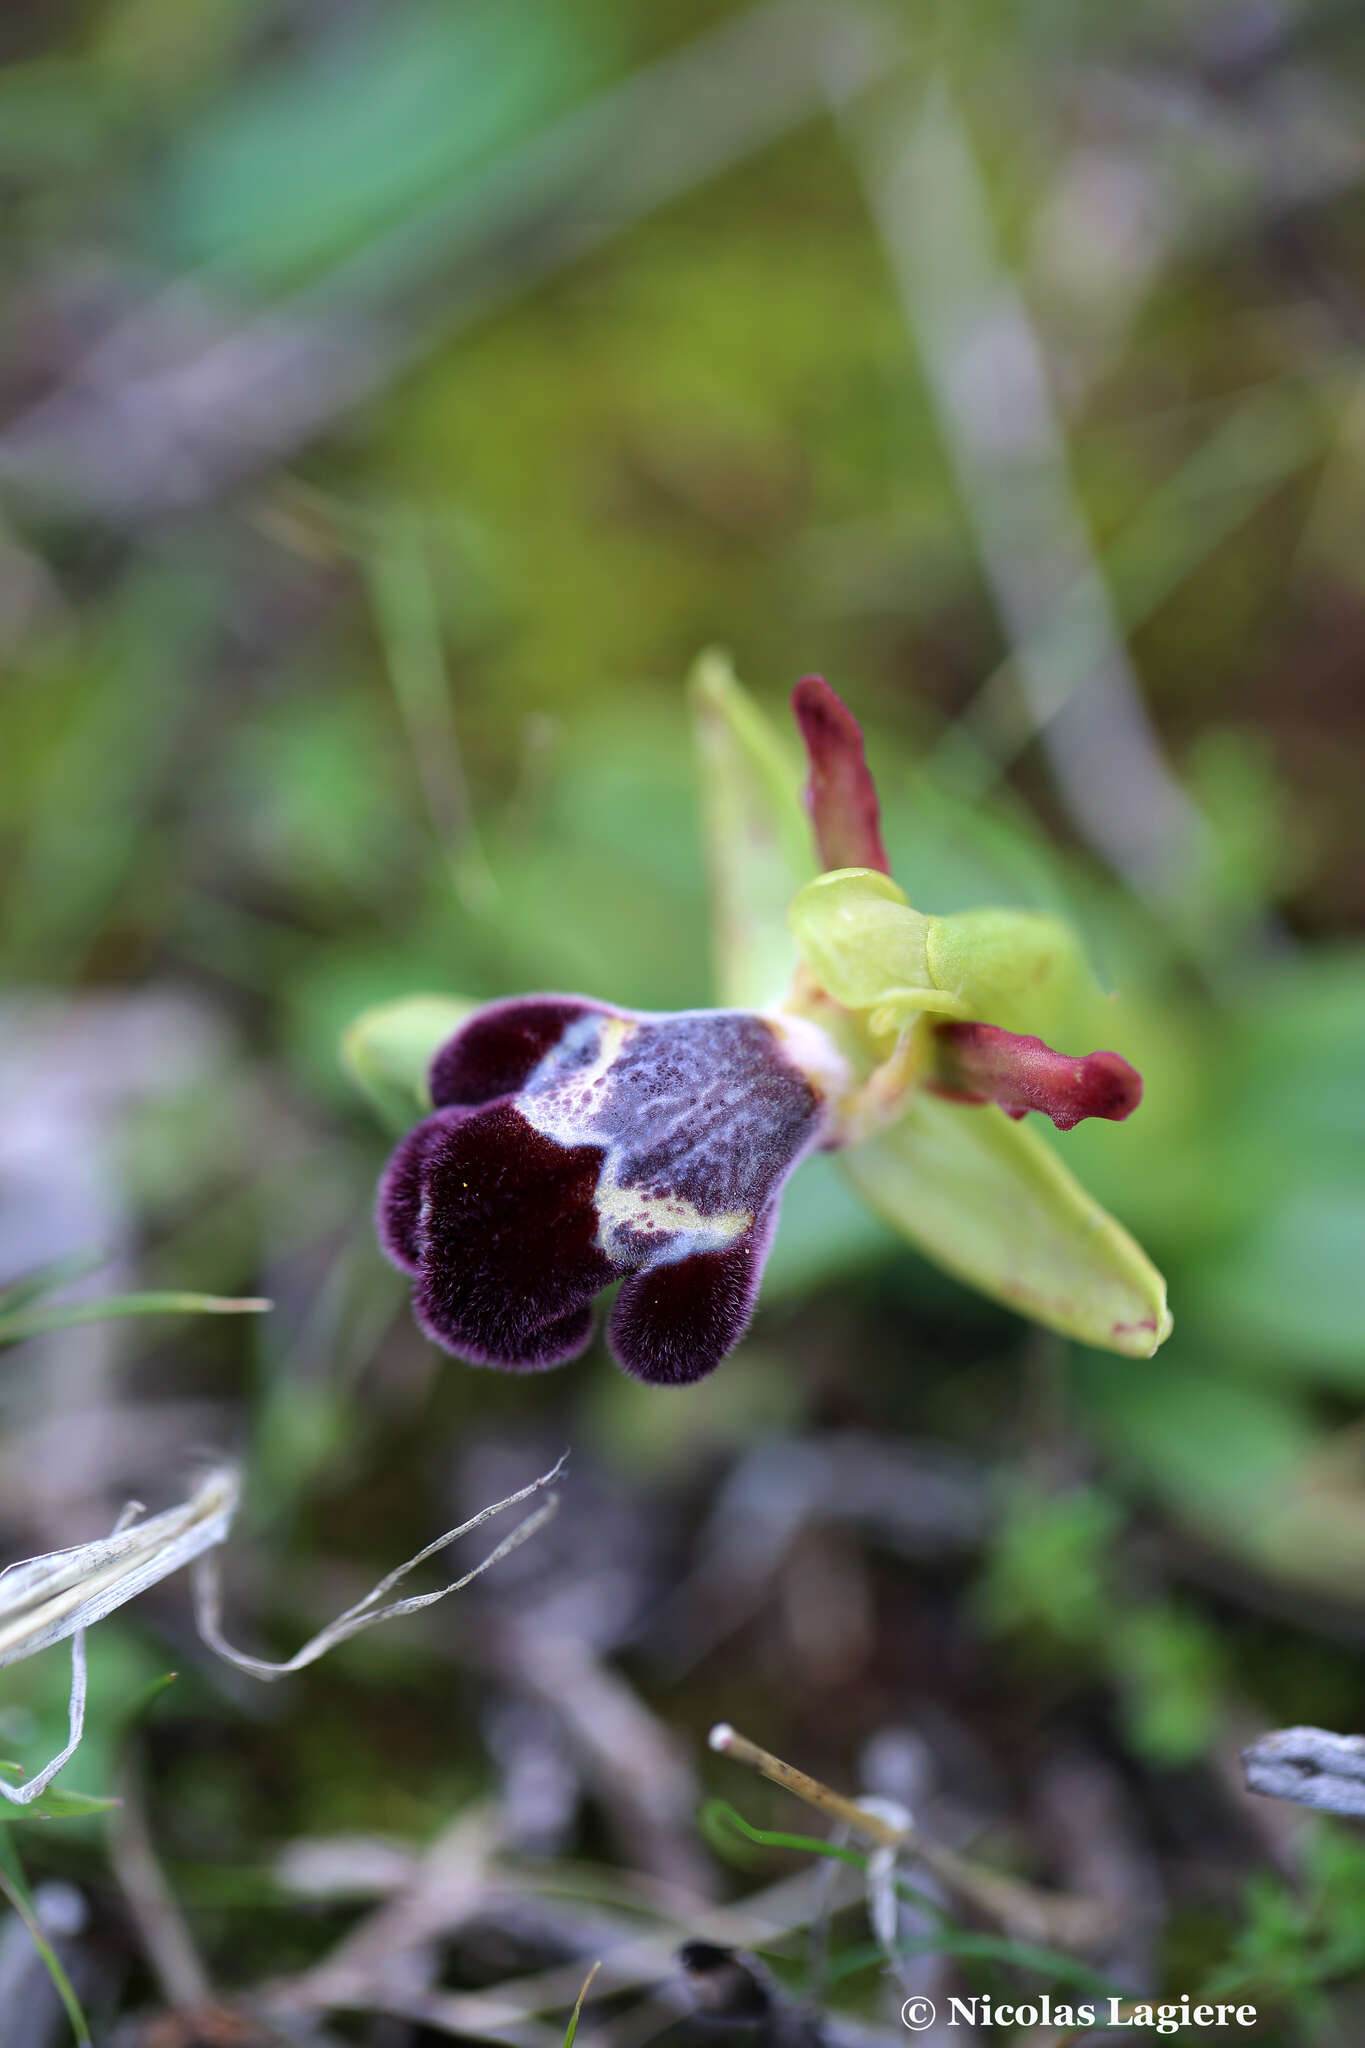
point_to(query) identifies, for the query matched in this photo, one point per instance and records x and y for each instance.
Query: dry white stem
(282, 376)
(883, 1903)
(505, 2012)
(646, 1785)
(381, 1957)
(366, 1612)
(20, 1795)
(45, 1599)
(41, 1604)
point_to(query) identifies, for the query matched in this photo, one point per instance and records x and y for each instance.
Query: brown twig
(508, 2012)
(166, 1939)
(644, 1782)
(1023, 1911)
(380, 1958)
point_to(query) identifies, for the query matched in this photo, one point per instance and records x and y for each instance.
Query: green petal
(387, 1051)
(1020, 969)
(990, 1200)
(867, 947)
(757, 837)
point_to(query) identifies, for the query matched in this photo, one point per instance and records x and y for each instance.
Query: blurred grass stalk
(1262, 442)
(398, 574)
(988, 377)
(17, 1324)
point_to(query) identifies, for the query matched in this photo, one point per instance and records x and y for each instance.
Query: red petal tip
(982, 1063)
(841, 795)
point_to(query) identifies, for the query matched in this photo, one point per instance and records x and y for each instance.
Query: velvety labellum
(575, 1144)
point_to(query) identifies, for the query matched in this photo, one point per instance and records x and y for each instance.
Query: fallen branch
(1311, 1766)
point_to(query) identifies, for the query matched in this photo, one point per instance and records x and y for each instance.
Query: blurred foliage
(1055, 1585)
(1296, 1943)
(395, 398)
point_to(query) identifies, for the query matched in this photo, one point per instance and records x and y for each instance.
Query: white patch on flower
(814, 1053)
(563, 1099)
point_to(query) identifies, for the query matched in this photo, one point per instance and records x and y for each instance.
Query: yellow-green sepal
(758, 840)
(1020, 969)
(867, 948)
(388, 1050)
(989, 1200)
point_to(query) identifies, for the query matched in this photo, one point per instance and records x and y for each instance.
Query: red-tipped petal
(841, 795)
(982, 1063)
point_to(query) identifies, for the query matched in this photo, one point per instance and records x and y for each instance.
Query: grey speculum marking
(705, 1107)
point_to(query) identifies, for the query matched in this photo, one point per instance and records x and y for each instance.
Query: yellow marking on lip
(621, 1209)
(633, 1208)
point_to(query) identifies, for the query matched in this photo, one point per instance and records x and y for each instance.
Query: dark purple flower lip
(573, 1144)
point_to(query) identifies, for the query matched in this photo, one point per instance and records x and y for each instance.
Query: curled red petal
(841, 795)
(982, 1063)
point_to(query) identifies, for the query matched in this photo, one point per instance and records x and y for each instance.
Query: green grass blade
(13, 1888)
(47, 1278)
(53, 1804)
(36, 1322)
(571, 2031)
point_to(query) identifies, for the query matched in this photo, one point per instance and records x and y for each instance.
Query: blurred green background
(393, 400)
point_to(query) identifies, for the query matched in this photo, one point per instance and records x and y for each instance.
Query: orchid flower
(570, 1143)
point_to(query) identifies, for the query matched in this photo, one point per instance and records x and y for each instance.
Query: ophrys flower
(572, 1143)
